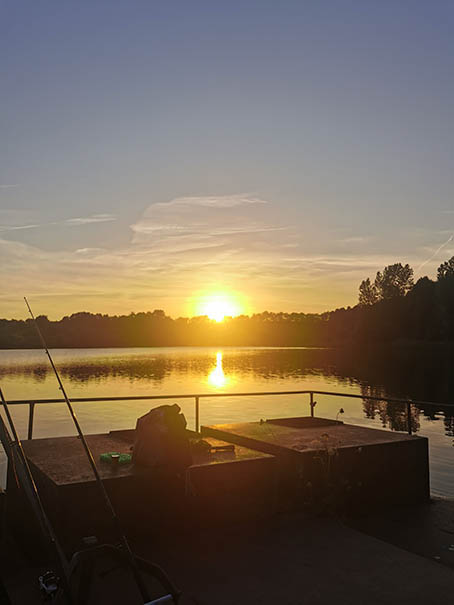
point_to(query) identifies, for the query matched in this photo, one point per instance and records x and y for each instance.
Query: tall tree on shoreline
(368, 294)
(446, 269)
(395, 281)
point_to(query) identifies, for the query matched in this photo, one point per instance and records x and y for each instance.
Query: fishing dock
(307, 462)
(256, 517)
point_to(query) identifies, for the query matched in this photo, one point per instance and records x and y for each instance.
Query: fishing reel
(49, 584)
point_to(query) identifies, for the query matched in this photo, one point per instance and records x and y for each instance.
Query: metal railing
(198, 396)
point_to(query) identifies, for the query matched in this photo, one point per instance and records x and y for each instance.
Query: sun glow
(218, 306)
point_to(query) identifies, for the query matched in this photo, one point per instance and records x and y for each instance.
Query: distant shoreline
(375, 347)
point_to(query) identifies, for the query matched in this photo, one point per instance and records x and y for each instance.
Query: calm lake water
(422, 374)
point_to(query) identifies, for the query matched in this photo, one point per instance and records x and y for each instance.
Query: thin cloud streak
(18, 227)
(356, 239)
(70, 222)
(435, 254)
(87, 220)
(211, 201)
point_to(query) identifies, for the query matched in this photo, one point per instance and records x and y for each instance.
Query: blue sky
(152, 152)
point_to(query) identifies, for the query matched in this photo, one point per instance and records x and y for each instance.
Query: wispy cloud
(17, 227)
(200, 221)
(356, 239)
(12, 186)
(87, 220)
(89, 250)
(70, 222)
(212, 201)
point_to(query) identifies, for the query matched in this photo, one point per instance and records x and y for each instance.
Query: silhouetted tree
(446, 269)
(368, 294)
(396, 280)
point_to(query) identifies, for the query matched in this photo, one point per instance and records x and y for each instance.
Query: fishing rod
(99, 481)
(46, 526)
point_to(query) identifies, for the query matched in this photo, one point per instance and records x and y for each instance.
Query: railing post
(31, 414)
(409, 417)
(196, 414)
(312, 402)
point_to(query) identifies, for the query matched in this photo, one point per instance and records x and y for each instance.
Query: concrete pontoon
(257, 524)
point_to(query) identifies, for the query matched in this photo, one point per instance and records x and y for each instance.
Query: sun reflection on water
(217, 378)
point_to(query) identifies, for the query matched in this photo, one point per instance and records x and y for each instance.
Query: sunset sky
(154, 154)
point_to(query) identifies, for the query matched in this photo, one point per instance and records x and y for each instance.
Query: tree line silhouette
(391, 309)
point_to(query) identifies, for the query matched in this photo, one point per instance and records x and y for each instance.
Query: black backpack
(161, 439)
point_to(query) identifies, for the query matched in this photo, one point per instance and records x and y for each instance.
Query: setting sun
(218, 306)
